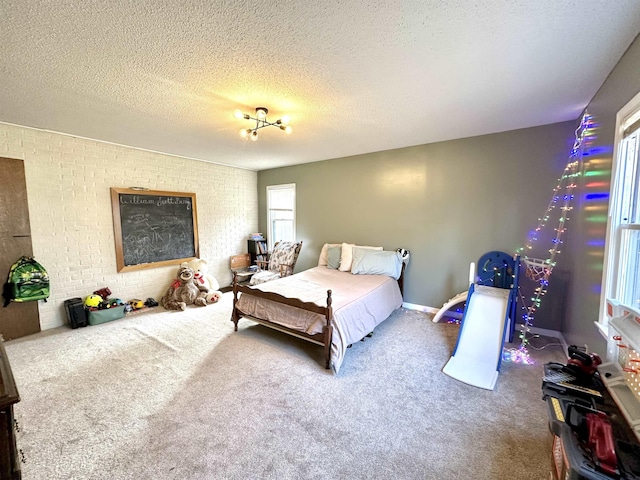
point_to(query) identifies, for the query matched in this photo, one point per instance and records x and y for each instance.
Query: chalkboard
(153, 228)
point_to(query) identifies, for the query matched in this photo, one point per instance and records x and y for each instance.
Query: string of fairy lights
(540, 270)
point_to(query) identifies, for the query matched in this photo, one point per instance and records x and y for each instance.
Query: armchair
(281, 263)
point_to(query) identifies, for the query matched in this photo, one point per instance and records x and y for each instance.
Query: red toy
(582, 363)
(103, 292)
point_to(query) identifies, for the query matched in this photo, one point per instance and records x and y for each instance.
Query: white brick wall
(68, 182)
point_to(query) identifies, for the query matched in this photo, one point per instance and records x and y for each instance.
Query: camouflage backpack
(28, 281)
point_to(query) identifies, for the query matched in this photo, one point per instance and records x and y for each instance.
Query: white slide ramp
(461, 297)
(481, 338)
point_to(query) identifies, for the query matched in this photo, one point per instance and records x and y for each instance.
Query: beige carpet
(179, 395)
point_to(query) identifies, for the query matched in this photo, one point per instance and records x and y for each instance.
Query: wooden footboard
(323, 339)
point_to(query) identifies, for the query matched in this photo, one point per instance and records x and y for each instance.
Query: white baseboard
(548, 333)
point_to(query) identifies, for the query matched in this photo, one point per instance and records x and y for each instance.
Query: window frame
(272, 188)
(626, 116)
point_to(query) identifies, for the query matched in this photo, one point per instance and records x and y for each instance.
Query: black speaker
(76, 314)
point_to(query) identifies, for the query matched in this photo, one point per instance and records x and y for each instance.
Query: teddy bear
(184, 291)
(213, 297)
(202, 276)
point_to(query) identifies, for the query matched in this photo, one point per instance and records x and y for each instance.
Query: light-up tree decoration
(540, 270)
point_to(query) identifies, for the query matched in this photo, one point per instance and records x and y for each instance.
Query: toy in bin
(93, 301)
(102, 309)
(103, 292)
(100, 300)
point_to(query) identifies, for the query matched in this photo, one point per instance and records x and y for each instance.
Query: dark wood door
(17, 319)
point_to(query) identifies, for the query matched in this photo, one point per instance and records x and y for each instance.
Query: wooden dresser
(9, 461)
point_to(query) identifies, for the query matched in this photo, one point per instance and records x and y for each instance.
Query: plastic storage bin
(97, 317)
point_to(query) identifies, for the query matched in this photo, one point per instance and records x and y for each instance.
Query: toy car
(136, 304)
(150, 302)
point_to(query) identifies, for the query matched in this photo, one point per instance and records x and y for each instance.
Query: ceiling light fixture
(261, 122)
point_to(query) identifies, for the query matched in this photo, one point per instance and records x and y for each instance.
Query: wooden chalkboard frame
(116, 207)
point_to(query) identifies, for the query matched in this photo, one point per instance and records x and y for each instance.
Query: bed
(331, 306)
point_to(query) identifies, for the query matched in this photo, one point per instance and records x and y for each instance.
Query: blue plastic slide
(487, 322)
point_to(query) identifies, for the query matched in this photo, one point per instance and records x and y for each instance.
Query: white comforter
(360, 303)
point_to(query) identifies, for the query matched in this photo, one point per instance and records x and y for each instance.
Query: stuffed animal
(184, 291)
(213, 297)
(203, 277)
(403, 254)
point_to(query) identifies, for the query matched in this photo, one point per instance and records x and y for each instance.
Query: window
(621, 275)
(281, 213)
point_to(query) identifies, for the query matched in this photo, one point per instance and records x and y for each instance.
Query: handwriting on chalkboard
(153, 228)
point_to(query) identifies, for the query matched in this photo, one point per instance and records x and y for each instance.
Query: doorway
(17, 319)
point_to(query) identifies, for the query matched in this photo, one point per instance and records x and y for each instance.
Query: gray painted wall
(447, 202)
(585, 242)
(450, 202)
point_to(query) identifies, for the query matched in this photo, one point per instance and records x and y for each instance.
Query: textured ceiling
(355, 77)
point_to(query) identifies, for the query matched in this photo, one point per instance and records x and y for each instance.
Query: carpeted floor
(179, 395)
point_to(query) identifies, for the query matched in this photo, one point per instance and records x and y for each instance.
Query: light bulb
(244, 133)
(238, 114)
(288, 129)
(261, 113)
(285, 120)
(254, 135)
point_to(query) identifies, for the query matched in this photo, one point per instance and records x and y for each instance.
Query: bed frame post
(234, 313)
(328, 332)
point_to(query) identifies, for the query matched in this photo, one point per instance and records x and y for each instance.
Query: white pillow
(323, 261)
(347, 255)
(376, 262)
